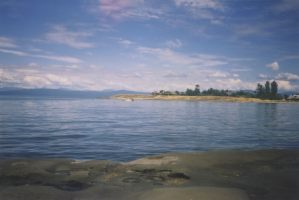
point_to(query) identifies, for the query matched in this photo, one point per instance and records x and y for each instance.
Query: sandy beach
(196, 98)
(213, 175)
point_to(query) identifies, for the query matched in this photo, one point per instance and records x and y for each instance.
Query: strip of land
(129, 97)
(213, 175)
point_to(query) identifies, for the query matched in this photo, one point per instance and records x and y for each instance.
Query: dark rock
(71, 185)
(178, 175)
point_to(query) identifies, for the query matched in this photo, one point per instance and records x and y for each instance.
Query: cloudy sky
(148, 45)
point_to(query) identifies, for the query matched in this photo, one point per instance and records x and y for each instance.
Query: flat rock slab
(214, 175)
(33, 193)
(195, 193)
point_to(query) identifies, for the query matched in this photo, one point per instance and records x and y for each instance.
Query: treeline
(267, 91)
(210, 92)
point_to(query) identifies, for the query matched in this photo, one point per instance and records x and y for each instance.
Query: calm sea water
(119, 130)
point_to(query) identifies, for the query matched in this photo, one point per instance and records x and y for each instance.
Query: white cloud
(146, 79)
(286, 5)
(27, 71)
(183, 80)
(7, 43)
(170, 56)
(141, 9)
(274, 66)
(121, 9)
(36, 78)
(250, 29)
(35, 81)
(6, 77)
(60, 80)
(67, 59)
(287, 76)
(203, 9)
(114, 7)
(241, 69)
(210, 4)
(263, 76)
(175, 75)
(125, 42)
(285, 85)
(33, 64)
(46, 80)
(233, 84)
(173, 44)
(289, 57)
(61, 35)
(218, 74)
(14, 52)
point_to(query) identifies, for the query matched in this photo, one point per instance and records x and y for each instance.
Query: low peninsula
(267, 93)
(131, 97)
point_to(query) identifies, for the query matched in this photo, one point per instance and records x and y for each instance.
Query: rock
(194, 193)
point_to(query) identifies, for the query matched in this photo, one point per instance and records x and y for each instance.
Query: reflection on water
(117, 130)
(267, 114)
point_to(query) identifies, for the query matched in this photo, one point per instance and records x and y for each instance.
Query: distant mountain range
(62, 93)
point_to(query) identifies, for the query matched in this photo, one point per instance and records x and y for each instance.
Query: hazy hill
(62, 93)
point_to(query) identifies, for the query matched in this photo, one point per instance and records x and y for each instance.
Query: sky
(148, 45)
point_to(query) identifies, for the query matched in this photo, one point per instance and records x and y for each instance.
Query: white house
(294, 97)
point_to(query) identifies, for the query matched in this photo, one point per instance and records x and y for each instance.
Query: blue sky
(149, 45)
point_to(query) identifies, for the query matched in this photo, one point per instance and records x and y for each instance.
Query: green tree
(274, 89)
(189, 92)
(267, 89)
(197, 90)
(259, 90)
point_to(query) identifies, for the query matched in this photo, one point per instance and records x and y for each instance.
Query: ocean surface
(121, 131)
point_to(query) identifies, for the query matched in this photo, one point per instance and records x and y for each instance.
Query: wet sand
(213, 175)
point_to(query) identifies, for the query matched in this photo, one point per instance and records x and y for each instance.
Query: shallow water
(119, 130)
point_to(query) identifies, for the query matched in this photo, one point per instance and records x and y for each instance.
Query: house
(294, 97)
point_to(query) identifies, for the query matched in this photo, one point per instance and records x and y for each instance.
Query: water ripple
(117, 130)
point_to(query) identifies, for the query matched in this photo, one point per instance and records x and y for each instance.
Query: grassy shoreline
(196, 98)
(217, 175)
